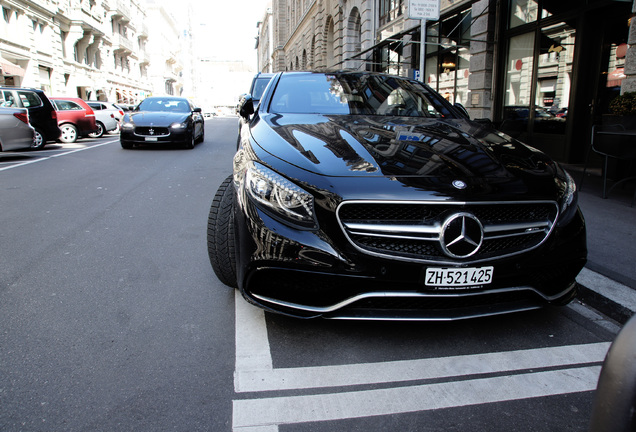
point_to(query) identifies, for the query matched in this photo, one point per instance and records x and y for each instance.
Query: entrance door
(557, 69)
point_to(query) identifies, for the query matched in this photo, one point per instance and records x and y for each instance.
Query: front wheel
(221, 249)
(190, 142)
(38, 140)
(69, 133)
(100, 131)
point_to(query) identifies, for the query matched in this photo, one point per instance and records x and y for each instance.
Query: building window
(390, 10)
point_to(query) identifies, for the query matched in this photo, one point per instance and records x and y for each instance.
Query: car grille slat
(156, 131)
(414, 231)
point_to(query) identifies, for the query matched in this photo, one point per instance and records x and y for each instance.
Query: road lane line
(420, 369)
(254, 370)
(56, 155)
(338, 406)
(252, 344)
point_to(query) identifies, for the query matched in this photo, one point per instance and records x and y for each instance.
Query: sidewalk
(608, 281)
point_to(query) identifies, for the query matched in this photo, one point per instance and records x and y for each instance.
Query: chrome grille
(414, 230)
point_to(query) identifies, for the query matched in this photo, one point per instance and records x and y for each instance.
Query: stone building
(93, 49)
(543, 71)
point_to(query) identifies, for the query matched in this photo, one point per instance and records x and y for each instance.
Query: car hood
(396, 146)
(152, 118)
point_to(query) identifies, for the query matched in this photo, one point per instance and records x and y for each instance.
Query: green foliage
(624, 104)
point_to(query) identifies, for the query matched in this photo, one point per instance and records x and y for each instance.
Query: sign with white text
(424, 9)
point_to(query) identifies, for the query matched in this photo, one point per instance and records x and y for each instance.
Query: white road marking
(337, 406)
(56, 155)
(254, 372)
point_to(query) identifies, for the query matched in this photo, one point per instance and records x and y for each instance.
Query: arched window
(353, 44)
(303, 61)
(329, 41)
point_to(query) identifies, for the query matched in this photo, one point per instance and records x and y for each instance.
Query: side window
(64, 105)
(7, 99)
(29, 99)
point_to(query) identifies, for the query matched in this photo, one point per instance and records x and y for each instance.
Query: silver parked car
(107, 115)
(15, 131)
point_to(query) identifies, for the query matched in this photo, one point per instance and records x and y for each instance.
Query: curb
(613, 299)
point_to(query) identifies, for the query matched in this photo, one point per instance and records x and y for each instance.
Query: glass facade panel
(448, 57)
(523, 12)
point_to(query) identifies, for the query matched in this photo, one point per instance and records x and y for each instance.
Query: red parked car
(75, 118)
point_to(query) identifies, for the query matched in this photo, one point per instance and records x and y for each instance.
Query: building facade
(93, 49)
(543, 71)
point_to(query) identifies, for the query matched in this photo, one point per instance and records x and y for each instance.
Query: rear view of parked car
(107, 117)
(15, 131)
(75, 117)
(42, 114)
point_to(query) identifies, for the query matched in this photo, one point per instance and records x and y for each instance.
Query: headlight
(279, 197)
(179, 125)
(127, 125)
(569, 200)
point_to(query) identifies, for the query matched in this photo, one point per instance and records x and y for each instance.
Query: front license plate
(151, 138)
(458, 277)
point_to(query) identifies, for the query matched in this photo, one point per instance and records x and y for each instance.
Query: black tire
(190, 143)
(100, 131)
(39, 140)
(202, 137)
(221, 249)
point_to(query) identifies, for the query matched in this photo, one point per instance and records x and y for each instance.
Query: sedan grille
(446, 232)
(152, 131)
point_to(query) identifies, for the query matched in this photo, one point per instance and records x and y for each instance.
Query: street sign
(424, 9)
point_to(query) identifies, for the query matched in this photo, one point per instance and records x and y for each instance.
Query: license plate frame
(153, 139)
(458, 277)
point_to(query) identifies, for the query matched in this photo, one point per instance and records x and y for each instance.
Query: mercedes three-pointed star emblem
(462, 235)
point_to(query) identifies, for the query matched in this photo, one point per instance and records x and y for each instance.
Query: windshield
(164, 105)
(355, 94)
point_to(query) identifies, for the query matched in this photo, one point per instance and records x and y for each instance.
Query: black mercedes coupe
(367, 196)
(163, 120)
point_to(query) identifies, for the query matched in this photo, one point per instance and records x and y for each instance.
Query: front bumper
(320, 274)
(159, 136)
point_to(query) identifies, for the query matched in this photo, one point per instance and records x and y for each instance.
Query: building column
(629, 82)
(481, 60)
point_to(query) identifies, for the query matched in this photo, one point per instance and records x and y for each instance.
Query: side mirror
(198, 110)
(462, 110)
(246, 106)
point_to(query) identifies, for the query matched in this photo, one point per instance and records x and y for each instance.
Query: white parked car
(107, 115)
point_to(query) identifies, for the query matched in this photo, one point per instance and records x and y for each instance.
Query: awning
(10, 69)
(615, 77)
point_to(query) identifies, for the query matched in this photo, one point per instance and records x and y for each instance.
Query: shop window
(523, 12)
(448, 57)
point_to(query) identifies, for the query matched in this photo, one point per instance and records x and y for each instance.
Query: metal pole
(422, 48)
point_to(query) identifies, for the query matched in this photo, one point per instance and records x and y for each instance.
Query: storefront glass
(448, 57)
(523, 12)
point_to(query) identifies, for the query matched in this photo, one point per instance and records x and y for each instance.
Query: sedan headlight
(279, 197)
(179, 125)
(127, 125)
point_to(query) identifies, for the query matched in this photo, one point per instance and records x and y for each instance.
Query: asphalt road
(111, 319)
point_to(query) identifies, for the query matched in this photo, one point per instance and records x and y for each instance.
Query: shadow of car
(15, 131)
(163, 120)
(75, 118)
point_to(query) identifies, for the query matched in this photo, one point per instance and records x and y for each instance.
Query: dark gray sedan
(163, 120)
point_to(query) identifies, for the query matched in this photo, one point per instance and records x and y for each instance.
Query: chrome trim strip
(400, 294)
